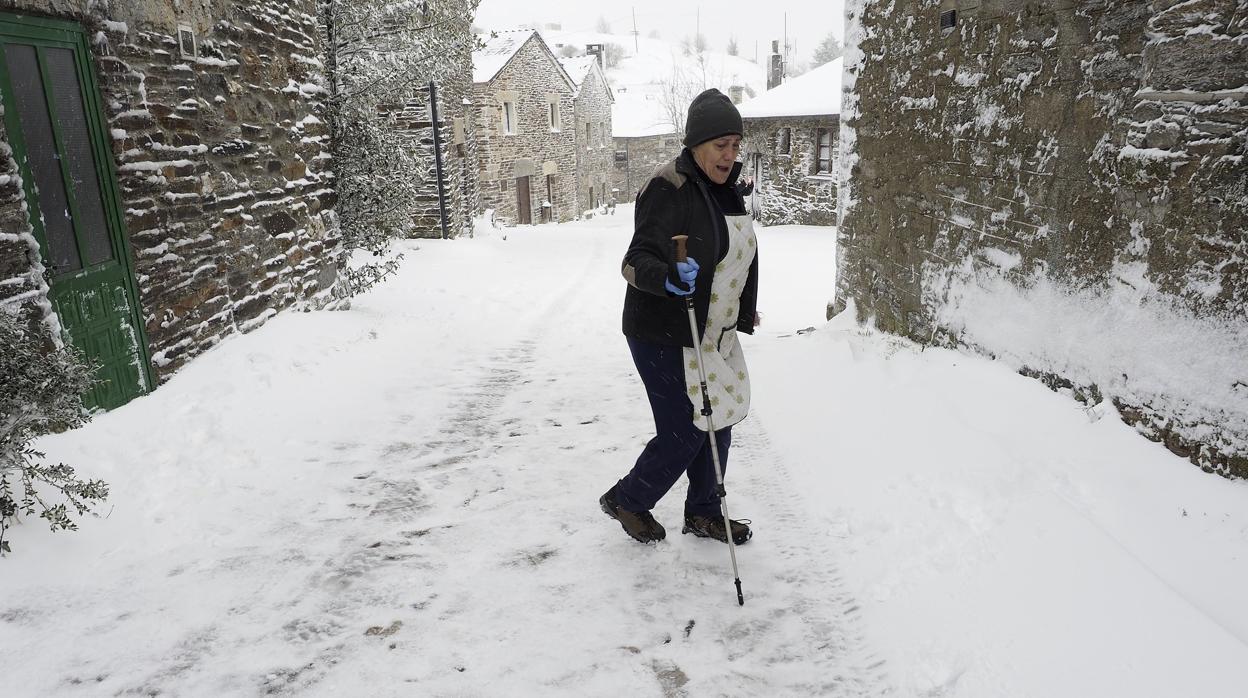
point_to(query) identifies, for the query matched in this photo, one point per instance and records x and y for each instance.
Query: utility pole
(636, 48)
(786, 44)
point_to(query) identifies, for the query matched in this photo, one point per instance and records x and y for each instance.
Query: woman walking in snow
(696, 195)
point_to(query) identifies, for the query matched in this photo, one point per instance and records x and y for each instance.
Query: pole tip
(740, 596)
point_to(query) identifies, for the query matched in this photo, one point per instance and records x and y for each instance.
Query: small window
(784, 141)
(186, 41)
(948, 19)
(550, 189)
(509, 118)
(457, 129)
(824, 151)
(621, 156)
(589, 133)
(602, 133)
(552, 110)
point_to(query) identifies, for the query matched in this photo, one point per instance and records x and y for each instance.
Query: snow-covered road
(402, 500)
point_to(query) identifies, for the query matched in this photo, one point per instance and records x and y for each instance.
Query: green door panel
(56, 130)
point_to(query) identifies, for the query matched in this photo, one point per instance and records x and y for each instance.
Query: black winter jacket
(678, 201)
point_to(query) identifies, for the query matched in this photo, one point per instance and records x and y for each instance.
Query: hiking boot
(713, 527)
(638, 524)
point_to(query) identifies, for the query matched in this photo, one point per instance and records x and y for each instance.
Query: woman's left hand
(758, 318)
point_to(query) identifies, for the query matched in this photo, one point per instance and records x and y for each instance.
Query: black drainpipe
(437, 153)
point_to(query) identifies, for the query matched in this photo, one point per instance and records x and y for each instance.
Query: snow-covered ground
(401, 499)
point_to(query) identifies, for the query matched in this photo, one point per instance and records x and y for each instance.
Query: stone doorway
(57, 131)
(524, 202)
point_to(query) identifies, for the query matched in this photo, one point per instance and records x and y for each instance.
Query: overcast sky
(750, 20)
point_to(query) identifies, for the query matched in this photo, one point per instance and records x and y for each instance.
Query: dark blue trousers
(678, 446)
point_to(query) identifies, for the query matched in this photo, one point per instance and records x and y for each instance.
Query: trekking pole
(681, 255)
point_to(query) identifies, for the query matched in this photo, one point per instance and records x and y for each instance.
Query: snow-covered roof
(497, 52)
(502, 47)
(815, 93)
(578, 67)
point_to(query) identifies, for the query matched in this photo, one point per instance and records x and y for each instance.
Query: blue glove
(688, 271)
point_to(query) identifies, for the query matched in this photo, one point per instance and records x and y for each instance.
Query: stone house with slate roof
(790, 145)
(164, 177)
(641, 147)
(592, 116)
(524, 122)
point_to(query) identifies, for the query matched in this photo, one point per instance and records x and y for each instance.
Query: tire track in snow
(808, 578)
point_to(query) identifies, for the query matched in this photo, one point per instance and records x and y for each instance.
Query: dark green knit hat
(711, 115)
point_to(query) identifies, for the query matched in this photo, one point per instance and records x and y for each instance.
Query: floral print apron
(727, 379)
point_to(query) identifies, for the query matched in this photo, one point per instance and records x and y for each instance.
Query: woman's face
(717, 156)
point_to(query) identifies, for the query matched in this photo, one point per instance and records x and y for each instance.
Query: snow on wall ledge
(1072, 200)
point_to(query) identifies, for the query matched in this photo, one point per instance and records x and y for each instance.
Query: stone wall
(221, 163)
(594, 155)
(790, 190)
(1060, 185)
(636, 159)
(531, 79)
(452, 73)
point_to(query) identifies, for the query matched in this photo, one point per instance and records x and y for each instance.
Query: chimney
(775, 66)
(596, 51)
(736, 93)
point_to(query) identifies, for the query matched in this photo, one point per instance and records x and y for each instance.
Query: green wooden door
(55, 127)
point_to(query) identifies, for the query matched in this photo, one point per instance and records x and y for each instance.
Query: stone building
(592, 117)
(524, 122)
(1061, 186)
(163, 176)
(639, 151)
(789, 148)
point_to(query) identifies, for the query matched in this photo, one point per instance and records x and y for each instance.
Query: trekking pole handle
(682, 252)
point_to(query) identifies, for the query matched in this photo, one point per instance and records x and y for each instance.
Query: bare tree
(676, 91)
(732, 46)
(603, 26)
(613, 54)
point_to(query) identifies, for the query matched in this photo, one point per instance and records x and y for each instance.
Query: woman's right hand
(688, 272)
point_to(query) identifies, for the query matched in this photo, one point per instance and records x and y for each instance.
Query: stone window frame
(188, 45)
(820, 160)
(509, 117)
(554, 117)
(784, 141)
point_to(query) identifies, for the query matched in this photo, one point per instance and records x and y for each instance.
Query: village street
(401, 499)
